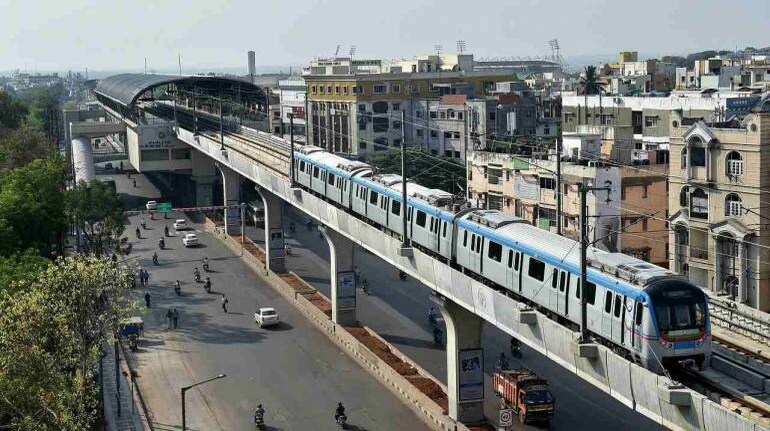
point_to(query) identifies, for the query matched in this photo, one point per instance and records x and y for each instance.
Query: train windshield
(679, 306)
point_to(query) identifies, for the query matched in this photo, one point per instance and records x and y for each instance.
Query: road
(294, 370)
(397, 310)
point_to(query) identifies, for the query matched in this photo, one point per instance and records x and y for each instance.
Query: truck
(525, 393)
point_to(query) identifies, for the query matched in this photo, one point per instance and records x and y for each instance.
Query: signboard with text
(346, 290)
(471, 374)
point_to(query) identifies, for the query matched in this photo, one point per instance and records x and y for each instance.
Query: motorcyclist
(207, 284)
(502, 363)
(161, 243)
(144, 224)
(178, 288)
(288, 250)
(155, 258)
(165, 230)
(138, 232)
(365, 285)
(197, 275)
(401, 275)
(432, 316)
(205, 263)
(339, 412)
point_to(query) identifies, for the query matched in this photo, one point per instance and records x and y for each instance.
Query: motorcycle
(155, 259)
(516, 348)
(178, 289)
(161, 243)
(207, 286)
(132, 342)
(259, 421)
(206, 266)
(342, 421)
(197, 276)
(365, 288)
(165, 230)
(402, 275)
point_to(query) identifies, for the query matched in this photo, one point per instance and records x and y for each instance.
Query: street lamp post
(291, 153)
(187, 388)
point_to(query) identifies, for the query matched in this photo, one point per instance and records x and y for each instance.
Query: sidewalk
(126, 416)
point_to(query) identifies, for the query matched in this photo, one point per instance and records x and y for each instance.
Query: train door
(511, 278)
(636, 325)
(617, 318)
(553, 300)
(563, 293)
(628, 322)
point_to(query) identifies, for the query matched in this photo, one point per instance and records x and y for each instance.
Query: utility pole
(307, 121)
(195, 116)
(404, 211)
(221, 129)
(584, 189)
(465, 128)
(291, 152)
(558, 186)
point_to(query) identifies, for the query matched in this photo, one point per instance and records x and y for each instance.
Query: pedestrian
(175, 317)
(134, 182)
(121, 166)
(169, 318)
(224, 303)
(146, 277)
(147, 299)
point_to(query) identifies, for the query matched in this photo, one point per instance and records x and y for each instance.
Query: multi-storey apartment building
(356, 111)
(718, 203)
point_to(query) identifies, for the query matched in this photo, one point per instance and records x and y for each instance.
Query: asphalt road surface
(293, 370)
(397, 310)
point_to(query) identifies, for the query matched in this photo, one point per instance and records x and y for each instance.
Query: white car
(190, 240)
(266, 316)
(151, 205)
(180, 224)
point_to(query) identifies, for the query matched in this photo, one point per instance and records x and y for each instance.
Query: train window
(577, 290)
(316, 171)
(495, 251)
(473, 242)
(618, 301)
(373, 197)
(639, 309)
(554, 278)
(302, 165)
(330, 177)
(465, 238)
(590, 293)
(395, 207)
(431, 223)
(444, 233)
(562, 280)
(536, 269)
(478, 244)
(517, 263)
(421, 218)
(510, 258)
(608, 302)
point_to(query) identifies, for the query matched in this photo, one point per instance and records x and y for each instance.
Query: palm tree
(591, 85)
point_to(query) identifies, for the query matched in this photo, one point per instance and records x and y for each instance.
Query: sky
(38, 35)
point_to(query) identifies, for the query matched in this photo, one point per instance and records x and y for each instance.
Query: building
(355, 106)
(292, 95)
(717, 203)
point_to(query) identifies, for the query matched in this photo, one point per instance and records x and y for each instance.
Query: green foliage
(23, 145)
(32, 207)
(12, 111)
(20, 267)
(43, 105)
(98, 211)
(431, 171)
(590, 82)
(54, 326)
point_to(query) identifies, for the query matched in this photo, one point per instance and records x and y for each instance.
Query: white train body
(643, 311)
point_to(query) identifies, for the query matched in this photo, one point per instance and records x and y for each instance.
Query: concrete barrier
(459, 289)
(619, 380)
(718, 418)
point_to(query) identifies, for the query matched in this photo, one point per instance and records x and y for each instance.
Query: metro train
(642, 311)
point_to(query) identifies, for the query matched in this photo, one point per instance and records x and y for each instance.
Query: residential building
(717, 203)
(291, 94)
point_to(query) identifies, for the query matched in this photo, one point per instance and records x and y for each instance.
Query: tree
(21, 266)
(54, 328)
(23, 145)
(97, 211)
(32, 207)
(43, 105)
(431, 171)
(590, 84)
(12, 112)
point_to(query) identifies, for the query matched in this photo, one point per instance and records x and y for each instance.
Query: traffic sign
(163, 207)
(506, 417)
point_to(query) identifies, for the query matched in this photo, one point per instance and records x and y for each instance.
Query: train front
(679, 317)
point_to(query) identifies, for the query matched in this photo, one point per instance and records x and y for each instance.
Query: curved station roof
(126, 88)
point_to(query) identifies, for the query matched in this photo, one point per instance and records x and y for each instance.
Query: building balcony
(699, 253)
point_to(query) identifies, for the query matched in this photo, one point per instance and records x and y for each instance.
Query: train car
(327, 174)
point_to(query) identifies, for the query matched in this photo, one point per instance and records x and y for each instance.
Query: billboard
(346, 290)
(471, 374)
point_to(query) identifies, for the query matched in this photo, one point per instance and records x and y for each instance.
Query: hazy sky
(105, 34)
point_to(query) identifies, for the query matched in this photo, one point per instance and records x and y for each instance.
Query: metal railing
(750, 323)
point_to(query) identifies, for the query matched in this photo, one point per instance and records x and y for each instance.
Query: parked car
(180, 224)
(151, 205)
(266, 316)
(190, 240)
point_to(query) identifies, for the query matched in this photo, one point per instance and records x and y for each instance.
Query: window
(362, 107)
(433, 114)
(536, 269)
(684, 158)
(698, 157)
(396, 106)
(547, 183)
(442, 115)
(699, 204)
(395, 88)
(465, 238)
(397, 125)
(639, 310)
(459, 115)
(733, 205)
(734, 164)
(618, 300)
(150, 155)
(345, 89)
(373, 197)
(447, 153)
(492, 115)
(456, 135)
(495, 251)
(644, 191)
(302, 165)
(380, 124)
(563, 280)
(434, 134)
(362, 145)
(607, 302)
(447, 135)
(418, 113)
(380, 107)
(313, 89)
(337, 89)
(320, 89)
(420, 132)
(650, 120)
(590, 293)
(379, 89)
(607, 119)
(517, 261)
(554, 278)
(457, 154)
(330, 178)
(510, 258)
(397, 142)
(421, 219)
(316, 171)
(683, 198)
(180, 153)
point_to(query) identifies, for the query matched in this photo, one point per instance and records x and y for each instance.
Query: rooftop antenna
(460, 46)
(438, 49)
(352, 51)
(337, 51)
